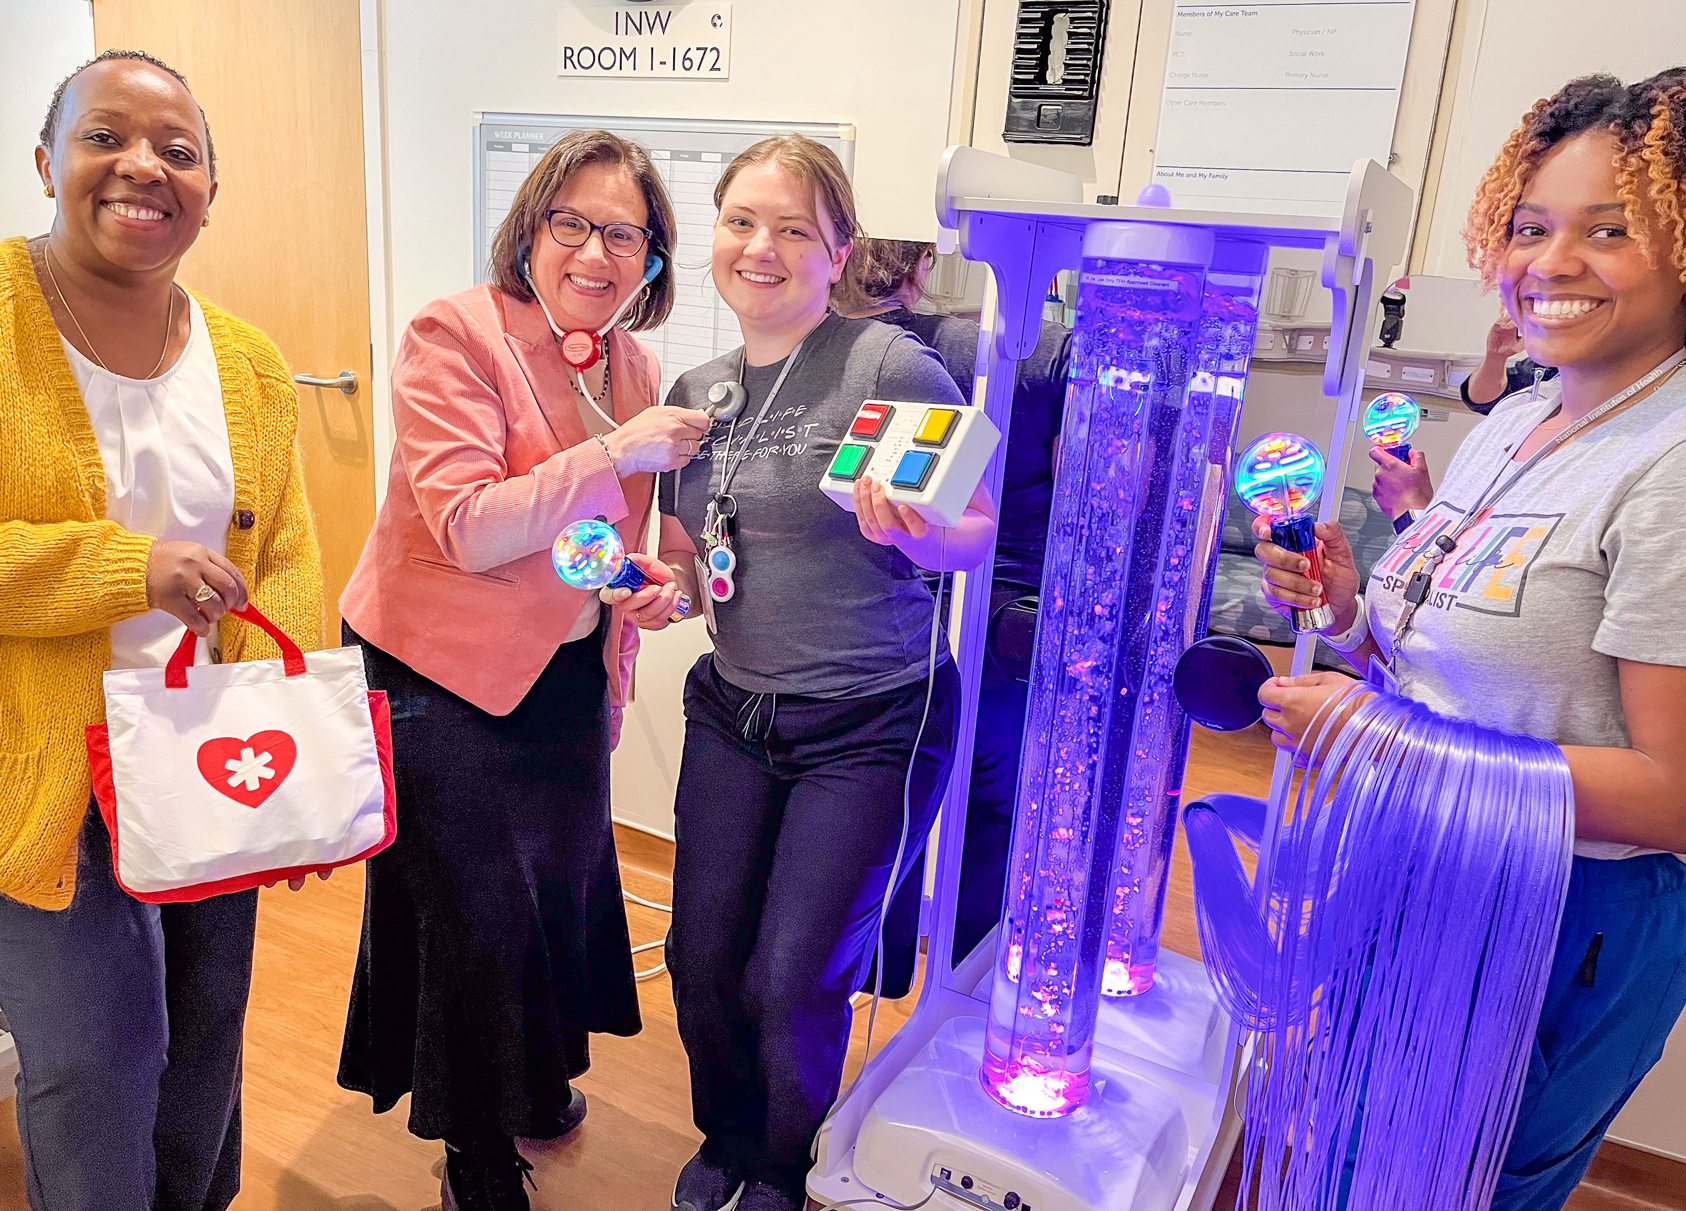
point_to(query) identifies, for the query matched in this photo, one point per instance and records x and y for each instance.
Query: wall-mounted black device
(1056, 80)
(1393, 316)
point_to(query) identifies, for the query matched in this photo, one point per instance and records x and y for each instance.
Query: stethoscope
(582, 348)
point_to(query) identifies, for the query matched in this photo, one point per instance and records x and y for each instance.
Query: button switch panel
(929, 457)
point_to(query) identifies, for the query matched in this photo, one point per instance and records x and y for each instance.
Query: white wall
(41, 42)
(887, 66)
(444, 60)
(1519, 51)
(1098, 165)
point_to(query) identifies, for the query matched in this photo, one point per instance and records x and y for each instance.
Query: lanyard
(729, 466)
(1416, 589)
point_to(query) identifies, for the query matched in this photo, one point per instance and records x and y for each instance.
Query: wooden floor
(310, 1146)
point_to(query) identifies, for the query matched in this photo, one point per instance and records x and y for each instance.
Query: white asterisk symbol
(251, 769)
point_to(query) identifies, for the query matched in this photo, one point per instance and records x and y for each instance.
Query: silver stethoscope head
(725, 400)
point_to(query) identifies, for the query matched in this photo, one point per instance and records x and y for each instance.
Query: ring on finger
(204, 593)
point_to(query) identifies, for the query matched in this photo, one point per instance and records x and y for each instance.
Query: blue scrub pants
(128, 1020)
(1618, 984)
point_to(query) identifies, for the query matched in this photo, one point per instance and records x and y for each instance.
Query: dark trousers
(788, 815)
(128, 1020)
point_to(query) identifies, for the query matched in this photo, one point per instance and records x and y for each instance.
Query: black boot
(485, 1176)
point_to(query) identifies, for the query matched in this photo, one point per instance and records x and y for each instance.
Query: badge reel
(718, 562)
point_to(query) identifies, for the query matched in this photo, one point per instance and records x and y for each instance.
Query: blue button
(914, 469)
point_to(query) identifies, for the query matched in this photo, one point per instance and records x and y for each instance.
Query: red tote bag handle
(292, 659)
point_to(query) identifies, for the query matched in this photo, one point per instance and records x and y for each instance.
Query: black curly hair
(55, 110)
(1647, 121)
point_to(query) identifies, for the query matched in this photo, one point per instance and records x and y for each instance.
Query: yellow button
(937, 425)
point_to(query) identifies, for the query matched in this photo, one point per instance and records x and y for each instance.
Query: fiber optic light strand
(1397, 974)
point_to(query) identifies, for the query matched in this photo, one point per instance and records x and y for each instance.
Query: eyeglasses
(619, 239)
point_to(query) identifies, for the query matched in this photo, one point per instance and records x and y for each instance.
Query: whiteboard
(689, 155)
(1267, 103)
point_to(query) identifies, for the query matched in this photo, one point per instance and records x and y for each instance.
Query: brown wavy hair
(817, 167)
(878, 269)
(525, 221)
(1647, 121)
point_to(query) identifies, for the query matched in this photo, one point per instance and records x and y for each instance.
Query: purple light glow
(1181, 592)
(1040, 1094)
(1132, 354)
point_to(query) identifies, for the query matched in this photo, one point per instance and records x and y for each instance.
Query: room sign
(688, 41)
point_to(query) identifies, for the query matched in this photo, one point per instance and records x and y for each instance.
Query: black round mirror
(1217, 682)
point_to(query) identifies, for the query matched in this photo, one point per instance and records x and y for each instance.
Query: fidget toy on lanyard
(1280, 476)
(589, 555)
(720, 519)
(1389, 421)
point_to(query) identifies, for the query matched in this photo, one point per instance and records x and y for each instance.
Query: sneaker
(761, 1197)
(703, 1186)
(486, 1177)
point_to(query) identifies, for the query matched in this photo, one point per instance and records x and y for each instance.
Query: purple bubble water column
(1184, 562)
(1139, 312)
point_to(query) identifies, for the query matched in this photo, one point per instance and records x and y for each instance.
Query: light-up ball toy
(589, 555)
(1389, 421)
(1280, 477)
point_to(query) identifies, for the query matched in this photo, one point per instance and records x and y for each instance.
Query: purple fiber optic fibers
(1180, 566)
(1397, 973)
(1132, 351)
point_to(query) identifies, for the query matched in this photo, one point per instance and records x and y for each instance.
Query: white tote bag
(216, 778)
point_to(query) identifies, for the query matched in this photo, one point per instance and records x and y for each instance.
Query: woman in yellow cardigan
(148, 479)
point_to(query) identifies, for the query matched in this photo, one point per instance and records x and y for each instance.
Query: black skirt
(494, 935)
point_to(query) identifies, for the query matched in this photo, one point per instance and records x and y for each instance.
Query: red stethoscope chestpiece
(581, 349)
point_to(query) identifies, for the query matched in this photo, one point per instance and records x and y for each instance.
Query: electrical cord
(943, 582)
(881, 1201)
(660, 968)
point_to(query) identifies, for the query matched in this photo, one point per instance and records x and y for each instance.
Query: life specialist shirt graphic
(1489, 570)
(1579, 565)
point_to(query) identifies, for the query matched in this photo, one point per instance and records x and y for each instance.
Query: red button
(870, 420)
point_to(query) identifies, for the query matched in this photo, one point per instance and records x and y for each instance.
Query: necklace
(169, 320)
(579, 384)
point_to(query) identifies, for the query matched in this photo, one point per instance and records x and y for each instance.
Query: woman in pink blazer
(494, 937)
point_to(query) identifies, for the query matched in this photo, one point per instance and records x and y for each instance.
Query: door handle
(346, 382)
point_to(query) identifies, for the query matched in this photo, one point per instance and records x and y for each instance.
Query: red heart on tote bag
(248, 771)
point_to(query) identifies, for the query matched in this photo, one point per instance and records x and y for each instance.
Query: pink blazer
(492, 462)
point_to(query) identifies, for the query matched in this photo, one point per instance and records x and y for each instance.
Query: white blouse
(168, 470)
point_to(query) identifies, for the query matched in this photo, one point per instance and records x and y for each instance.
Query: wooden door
(287, 249)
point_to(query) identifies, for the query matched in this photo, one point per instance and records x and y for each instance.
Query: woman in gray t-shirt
(1560, 611)
(819, 733)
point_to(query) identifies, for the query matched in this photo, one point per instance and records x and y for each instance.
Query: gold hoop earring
(205, 222)
(47, 189)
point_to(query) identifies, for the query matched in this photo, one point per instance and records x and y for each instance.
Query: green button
(849, 462)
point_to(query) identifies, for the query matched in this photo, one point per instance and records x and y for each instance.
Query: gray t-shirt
(1577, 566)
(819, 610)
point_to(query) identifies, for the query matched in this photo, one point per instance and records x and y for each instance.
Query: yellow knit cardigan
(67, 574)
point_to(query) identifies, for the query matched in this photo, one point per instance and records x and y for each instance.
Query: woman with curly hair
(1541, 591)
